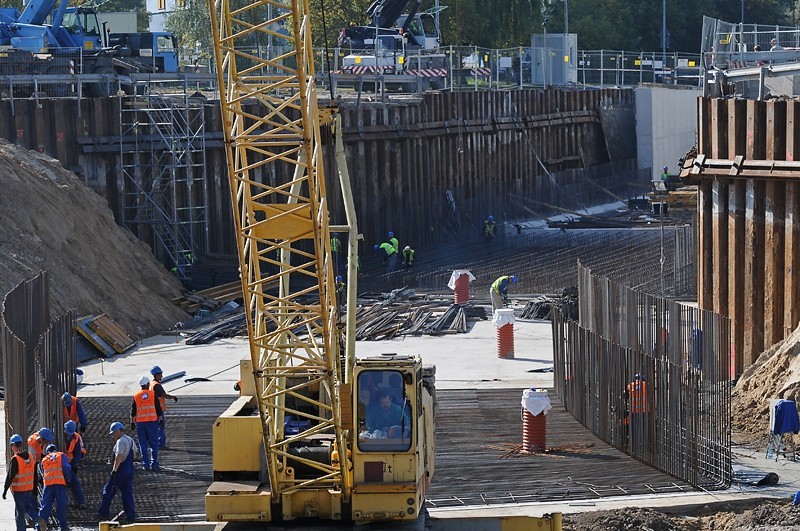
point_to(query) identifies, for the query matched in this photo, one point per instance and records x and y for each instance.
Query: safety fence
(722, 42)
(649, 376)
(39, 359)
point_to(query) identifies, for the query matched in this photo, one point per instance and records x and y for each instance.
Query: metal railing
(650, 377)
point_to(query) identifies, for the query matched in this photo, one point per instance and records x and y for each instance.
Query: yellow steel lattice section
(272, 133)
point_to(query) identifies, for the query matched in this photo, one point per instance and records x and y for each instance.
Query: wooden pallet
(112, 333)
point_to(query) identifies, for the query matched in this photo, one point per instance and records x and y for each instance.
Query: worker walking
(389, 254)
(499, 291)
(55, 471)
(121, 477)
(73, 410)
(395, 243)
(408, 256)
(638, 413)
(75, 452)
(489, 228)
(161, 395)
(145, 416)
(21, 478)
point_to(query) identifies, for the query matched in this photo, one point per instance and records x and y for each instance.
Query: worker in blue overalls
(121, 477)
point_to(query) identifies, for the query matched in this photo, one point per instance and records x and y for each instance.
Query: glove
(83, 429)
(133, 425)
(175, 398)
(112, 476)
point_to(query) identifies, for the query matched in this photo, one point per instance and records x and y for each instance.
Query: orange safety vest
(35, 444)
(161, 399)
(23, 479)
(71, 449)
(71, 412)
(53, 471)
(637, 390)
(145, 406)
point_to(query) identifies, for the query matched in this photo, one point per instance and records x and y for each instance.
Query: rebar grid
(676, 356)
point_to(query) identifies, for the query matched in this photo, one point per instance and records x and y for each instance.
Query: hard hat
(407, 248)
(376, 247)
(16, 439)
(69, 427)
(338, 278)
(637, 376)
(144, 380)
(513, 279)
(336, 234)
(156, 370)
(491, 218)
(46, 434)
(50, 448)
(666, 168)
(391, 234)
(67, 398)
(115, 426)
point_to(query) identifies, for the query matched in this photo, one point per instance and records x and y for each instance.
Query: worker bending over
(55, 471)
(499, 291)
(408, 256)
(75, 452)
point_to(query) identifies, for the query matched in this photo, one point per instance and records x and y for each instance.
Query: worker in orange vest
(55, 471)
(162, 395)
(38, 441)
(75, 452)
(145, 417)
(73, 410)
(638, 409)
(21, 479)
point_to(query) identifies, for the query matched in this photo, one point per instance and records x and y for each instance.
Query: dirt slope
(49, 220)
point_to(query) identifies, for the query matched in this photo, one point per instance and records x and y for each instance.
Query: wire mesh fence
(649, 376)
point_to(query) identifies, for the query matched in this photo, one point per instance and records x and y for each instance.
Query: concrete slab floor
(463, 361)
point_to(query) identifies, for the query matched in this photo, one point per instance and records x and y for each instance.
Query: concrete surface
(463, 361)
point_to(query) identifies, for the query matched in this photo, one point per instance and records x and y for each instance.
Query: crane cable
(327, 52)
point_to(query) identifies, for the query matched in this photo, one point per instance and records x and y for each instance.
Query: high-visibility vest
(334, 244)
(488, 227)
(71, 412)
(161, 399)
(496, 285)
(71, 449)
(23, 479)
(35, 446)
(637, 390)
(408, 256)
(145, 406)
(388, 248)
(53, 469)
(394, 243)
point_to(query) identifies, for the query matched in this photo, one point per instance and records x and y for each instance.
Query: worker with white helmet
(75, 452)
(408, 256)
(21, 478)
(121, 477)
(146, 415)
(161, 395)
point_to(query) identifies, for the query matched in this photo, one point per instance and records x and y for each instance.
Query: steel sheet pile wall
(39, 359)
(429, 168)
(681, 354)
(749, 218)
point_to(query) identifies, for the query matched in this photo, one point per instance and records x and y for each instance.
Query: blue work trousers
(147, 432)
(125, 487)
(54, 494)
(21, 506)
(75, 487)
(162, 431)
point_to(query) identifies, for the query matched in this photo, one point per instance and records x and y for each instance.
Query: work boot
(41, 525)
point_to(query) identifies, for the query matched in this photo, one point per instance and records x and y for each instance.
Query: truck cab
(82, 28)
(158, 49)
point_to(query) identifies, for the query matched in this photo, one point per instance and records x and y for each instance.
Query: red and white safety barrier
(428, 72)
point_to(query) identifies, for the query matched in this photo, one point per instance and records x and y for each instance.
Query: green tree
(191, 24)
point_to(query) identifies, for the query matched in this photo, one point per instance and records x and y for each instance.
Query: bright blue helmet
(338, 278)
(50, 449)
(376, 247)
(16, 439)
(156, 370)
(46, 434)
(70, 427)
(491, 218)
(115, 426)
(391, 234)
(513, 279)
(67, 398)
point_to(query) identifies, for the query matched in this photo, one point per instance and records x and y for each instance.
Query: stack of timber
(210, 299)
(422, 317)
(104, 334)
(544, 306)
(228, 321)
(681, 200)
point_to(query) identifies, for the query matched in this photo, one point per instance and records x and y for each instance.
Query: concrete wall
(666, 125)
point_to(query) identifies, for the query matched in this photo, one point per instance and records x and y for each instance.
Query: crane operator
(388, 417)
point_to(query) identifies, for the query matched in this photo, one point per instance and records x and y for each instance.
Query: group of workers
(390, 250)
(41, 463)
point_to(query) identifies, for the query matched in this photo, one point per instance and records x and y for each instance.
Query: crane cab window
(384, 412)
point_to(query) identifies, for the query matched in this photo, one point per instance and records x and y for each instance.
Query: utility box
(554, 59)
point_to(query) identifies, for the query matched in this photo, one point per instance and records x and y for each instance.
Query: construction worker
(394, 242)
(408, 256)
(75, 452)
(162, 395)
(121, 477)
(21, 478)
(340, 286)
(499, 291)
(638, 409)
(145, 416)
(489, 228)
(73, 410)
(55, 473)
(665, 175)
(336, 251)
(389, 255)
(38, 441)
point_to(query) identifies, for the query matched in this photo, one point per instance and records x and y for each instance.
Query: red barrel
(462, 289)
(505, 341)
(534, 431)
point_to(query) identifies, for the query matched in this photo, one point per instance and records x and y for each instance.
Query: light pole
(663, 38)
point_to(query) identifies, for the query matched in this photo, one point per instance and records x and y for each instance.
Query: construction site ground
(480, 471)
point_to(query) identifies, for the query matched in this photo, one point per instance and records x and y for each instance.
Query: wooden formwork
(749, 218)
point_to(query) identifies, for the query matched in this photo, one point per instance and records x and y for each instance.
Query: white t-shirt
(123, 445)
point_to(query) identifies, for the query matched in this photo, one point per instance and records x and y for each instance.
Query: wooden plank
(736, 251)
(111, 332)
(705, 288)
(719, 228)
(774, 287)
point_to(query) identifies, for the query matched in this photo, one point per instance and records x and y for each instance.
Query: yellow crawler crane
(276, 450)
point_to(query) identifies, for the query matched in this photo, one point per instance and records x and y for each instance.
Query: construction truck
(50, 39)
(316, 432)
(402, 47)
